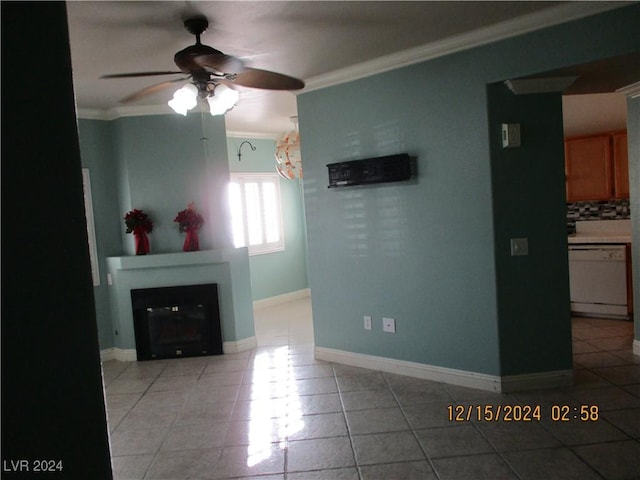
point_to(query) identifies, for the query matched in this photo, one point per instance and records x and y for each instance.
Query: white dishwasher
(598, 279)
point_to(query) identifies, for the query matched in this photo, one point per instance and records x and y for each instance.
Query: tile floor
(274, 413)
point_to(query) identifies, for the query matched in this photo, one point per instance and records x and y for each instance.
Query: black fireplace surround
(180, 321)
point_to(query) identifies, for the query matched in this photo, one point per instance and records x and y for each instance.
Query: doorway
(604, 82)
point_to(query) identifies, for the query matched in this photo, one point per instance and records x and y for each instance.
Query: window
(91, 230)
(256, 212)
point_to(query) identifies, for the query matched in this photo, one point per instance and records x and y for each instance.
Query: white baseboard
(120, 354)
(107, 354)
(130, 354)
(451, 376)
(240, 345)
(411, 369)
(636, 347)
(285, 297)
(535, 381)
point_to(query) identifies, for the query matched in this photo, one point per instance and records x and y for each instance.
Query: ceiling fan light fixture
(222, 100)
(184, 99)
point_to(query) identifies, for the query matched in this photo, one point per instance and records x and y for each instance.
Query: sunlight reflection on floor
(275, 402)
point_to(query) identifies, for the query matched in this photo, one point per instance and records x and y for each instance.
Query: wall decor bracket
(253, 149)
(391, 168)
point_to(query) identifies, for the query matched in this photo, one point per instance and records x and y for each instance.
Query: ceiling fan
(212, 75)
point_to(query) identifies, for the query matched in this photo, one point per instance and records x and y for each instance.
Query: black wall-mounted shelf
(392, 168)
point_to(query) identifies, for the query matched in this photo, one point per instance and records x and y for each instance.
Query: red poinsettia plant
(138, 222)
(189, 219)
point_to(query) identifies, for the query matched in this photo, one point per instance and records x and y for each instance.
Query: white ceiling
(321, 43)
(596, 113)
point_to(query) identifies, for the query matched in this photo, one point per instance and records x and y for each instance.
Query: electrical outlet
(388, 325)
(519, 247)
(367, 322)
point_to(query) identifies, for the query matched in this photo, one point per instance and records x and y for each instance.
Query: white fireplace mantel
(179, 259)
(229, 268)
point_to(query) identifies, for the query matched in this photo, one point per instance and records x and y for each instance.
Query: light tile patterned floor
(274, 413)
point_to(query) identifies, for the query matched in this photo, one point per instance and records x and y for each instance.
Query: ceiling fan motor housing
(196, 25)
(185, 59)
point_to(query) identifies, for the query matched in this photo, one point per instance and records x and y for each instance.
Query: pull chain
(204, 138)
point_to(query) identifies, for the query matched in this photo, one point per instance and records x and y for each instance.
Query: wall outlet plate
(519, 246)
(367, 322)
(388, 325)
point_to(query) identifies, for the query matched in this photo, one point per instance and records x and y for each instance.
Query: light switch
(519, 246)
(510, 135)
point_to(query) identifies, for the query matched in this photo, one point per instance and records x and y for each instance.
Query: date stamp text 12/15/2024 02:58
(522, 413)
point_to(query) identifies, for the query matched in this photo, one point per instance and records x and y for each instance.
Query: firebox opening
(173, 322)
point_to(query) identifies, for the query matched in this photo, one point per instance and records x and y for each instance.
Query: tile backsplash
(596, 210)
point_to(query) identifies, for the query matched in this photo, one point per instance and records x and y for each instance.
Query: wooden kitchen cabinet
(588, 168)
(596, 167)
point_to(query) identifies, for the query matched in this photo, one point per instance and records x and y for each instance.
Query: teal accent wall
(163, 165)
(431, 252)
(529, 202)
(276, 273)
(96, 148)
(421, 251)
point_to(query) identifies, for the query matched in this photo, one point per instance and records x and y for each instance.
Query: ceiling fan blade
(256, 78)
(219, 62)
(138, 74)
(151, 89)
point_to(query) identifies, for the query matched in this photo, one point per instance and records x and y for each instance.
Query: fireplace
(180, 321)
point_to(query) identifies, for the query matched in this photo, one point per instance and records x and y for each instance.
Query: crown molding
(91, 114)
(632, 91)
(256, 135)
(131, 111)
(115, 113)
(126, 111)
(457, 43)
